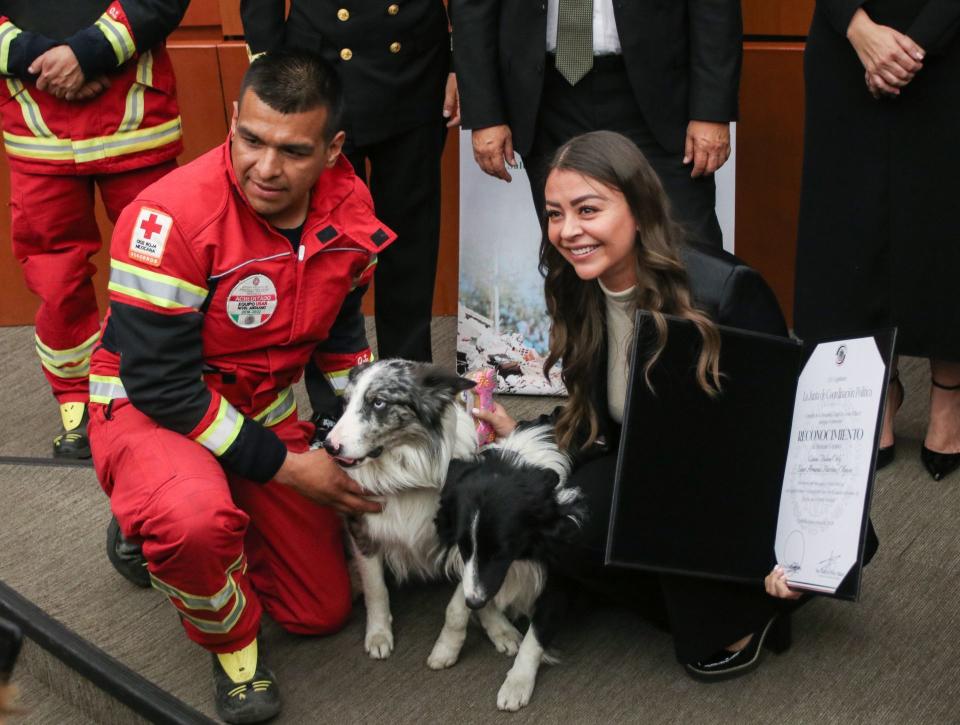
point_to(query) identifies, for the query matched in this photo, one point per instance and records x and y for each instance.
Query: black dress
(703, 615)
(879, 232)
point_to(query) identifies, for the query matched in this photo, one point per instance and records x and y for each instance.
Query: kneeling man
(227, 277)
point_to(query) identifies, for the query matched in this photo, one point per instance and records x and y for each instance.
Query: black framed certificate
(777, 467)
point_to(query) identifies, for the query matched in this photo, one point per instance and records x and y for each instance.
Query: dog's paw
(515, 691)
(379, 644)
(505, 637)
(442, 656)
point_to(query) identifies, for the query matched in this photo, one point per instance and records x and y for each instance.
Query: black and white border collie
(505, 515)
(399, 431)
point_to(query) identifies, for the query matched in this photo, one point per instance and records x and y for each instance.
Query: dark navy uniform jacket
(392, 55)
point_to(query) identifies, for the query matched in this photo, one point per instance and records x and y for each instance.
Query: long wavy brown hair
(577, 308)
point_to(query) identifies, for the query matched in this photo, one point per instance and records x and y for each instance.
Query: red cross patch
(149, 236)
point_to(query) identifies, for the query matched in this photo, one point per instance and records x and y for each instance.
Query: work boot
(126, 557)
(73, 441)
(247, 691)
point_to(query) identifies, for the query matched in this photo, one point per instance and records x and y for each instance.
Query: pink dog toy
(482, 393)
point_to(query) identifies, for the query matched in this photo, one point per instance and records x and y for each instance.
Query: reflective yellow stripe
(71, 355)
(118, 36)
(90, 149)
(133, 111)
(158, 289)
(280, 409)
(338, 380)
(104, 388)
(212, 603)
(224, 626)
(67, 372)
(31, 114)
(223, 431)
(8, 33)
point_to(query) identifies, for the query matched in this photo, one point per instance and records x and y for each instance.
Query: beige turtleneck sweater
(621, 312)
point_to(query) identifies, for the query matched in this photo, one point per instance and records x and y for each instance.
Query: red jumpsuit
(123, 140)
(213, 316)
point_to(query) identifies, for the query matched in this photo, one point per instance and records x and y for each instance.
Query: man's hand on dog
(315, 475)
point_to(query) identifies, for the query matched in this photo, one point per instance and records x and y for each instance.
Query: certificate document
(829, 462)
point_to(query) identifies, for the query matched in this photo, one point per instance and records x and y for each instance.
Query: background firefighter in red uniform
(87, 97)
(227, 277)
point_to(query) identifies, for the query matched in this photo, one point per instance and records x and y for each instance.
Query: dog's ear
(456, 469)
(563, 507)
(356, 370)
(439, 379)
(446, 519)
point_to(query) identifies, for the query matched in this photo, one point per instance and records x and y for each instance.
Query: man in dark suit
(393, 58)
(663, 72)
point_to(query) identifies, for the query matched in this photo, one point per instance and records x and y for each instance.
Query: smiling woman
(608, 219)
(611, 249)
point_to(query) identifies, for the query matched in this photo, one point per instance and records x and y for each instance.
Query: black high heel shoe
(887, 454)
(939, 464)
(725, 665)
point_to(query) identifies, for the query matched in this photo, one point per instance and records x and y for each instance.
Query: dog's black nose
(330, 448)
(475, 602)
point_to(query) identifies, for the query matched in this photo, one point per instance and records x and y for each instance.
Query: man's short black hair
(294, 82)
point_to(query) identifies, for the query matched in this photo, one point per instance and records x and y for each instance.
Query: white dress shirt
(605, 38)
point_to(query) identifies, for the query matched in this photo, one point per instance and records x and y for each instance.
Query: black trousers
(703, 615)
(603, 101)
(404, 180)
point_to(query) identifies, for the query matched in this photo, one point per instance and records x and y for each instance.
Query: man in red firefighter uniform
(88, 97)
(227, 277)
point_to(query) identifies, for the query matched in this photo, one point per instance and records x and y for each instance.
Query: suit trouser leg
(221, 548)
(703, 615)
(604, 100)
(405, 184)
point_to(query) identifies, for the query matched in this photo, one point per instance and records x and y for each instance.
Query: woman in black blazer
(612, 249)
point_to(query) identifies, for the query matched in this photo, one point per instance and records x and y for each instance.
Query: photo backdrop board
(501, 316)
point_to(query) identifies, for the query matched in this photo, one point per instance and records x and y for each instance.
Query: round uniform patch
(252, 301)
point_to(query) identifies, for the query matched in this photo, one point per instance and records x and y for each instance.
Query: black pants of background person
(703, 615)
(604, 101)
(404, 180)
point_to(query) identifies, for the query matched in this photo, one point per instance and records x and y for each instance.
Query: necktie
(574, 39)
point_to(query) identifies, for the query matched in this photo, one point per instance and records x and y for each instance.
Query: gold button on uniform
(343, 14)
(394, 47)
(346, 54)
(393, 9)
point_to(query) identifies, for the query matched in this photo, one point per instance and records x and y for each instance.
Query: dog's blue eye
(379, 403)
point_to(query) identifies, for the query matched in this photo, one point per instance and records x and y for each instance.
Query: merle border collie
(504, 516)
(399, 431)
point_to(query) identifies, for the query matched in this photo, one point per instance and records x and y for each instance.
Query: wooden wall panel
(230, 16)
(777, 17)
(769, 159)
(200, 94)
(233, 64)
(448, 268)
(200, 22)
